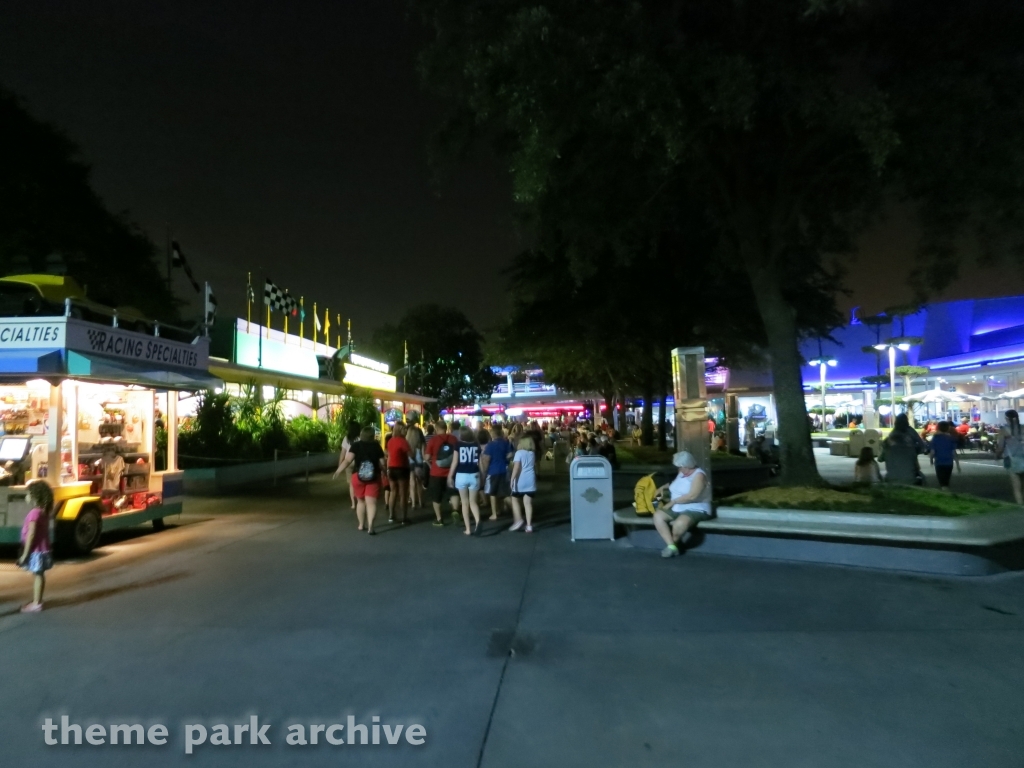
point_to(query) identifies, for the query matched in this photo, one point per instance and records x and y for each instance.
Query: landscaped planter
(211, 481)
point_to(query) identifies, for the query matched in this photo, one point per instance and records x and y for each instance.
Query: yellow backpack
(644, 494)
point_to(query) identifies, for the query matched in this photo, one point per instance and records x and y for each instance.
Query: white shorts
(468, 480)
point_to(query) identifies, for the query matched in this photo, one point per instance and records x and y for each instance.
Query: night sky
(290, 140)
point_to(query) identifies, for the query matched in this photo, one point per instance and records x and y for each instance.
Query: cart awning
(41, 361)
(81, 365)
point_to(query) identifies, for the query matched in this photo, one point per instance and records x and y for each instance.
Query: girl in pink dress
(35, 536)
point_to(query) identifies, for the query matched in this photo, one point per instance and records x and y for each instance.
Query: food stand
(81, 404)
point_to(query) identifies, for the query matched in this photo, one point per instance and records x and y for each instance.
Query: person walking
(494, 466)
(398, 452)
(524, 483)
(464, 476)
(418, 478)
(346, 443)
(439, 456)
(944, 444)
(1010, 447)
(368, 463)
(36, 557)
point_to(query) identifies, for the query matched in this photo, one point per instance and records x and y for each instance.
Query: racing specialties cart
(92, 410)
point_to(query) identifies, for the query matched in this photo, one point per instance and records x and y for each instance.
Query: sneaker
(528, 529)
(32, 608)
(670, 551)
(372, 532)
(439, 523)
(516, 526)
(391, 519)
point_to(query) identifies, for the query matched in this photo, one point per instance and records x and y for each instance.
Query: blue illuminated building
(975, 345)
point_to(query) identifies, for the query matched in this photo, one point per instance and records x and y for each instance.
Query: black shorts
(520, 494)
(398, 474)
(437, 489)
(943, 473)
(498, 485)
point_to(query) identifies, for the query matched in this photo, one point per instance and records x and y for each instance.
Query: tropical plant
(306, 434)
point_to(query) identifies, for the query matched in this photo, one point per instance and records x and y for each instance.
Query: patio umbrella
(935, 396)
(1012, 395)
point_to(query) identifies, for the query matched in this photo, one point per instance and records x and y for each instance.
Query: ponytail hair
(1014, 421)
(41, 495)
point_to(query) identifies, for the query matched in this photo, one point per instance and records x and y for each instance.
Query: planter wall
(212, 481)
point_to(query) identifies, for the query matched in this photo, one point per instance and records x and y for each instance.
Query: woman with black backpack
(368, 465)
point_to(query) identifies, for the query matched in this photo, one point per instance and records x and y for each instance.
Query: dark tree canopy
(445, 354)
(50, 215)
(783, 126)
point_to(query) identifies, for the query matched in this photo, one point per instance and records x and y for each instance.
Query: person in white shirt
(866, 470)
(690, 503)
(524, 482)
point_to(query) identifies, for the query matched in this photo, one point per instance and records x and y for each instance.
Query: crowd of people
(942, 443)
(464, 467)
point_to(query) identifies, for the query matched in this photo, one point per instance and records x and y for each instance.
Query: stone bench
(974, 545)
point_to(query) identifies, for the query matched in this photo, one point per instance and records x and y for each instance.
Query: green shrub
(306, 434)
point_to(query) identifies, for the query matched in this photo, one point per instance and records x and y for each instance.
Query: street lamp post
(892, 345)
(823, 364)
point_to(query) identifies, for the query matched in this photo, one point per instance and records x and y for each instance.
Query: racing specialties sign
(136, 347)
(81, 336)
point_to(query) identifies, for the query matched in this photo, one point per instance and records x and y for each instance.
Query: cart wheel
(82, 535)
(159, 524)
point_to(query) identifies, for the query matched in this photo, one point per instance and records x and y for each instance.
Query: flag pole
(248, 303)
(314, 325)
(302, 317)
(350, 334)
(337, 321)
(286, 297)
(268, 321)
(327, 327)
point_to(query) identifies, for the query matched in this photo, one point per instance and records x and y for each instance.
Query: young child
(866, 470)
(35, 535)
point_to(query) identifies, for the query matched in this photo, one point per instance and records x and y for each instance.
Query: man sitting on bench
(690, 503)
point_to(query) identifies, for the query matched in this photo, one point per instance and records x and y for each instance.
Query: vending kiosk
(92, 410)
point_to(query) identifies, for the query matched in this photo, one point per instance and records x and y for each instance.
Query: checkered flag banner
(289, 305)
(273, 296)
(211, 306)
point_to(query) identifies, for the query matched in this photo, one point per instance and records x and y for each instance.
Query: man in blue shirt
(494, 466)
(943, 446)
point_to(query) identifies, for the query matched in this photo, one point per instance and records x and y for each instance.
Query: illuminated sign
(23, 334)
(358, 376)
(365, 362)
(140, 347)
(273, 355)
(82, 336)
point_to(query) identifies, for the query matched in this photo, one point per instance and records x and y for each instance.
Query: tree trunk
(779, 318)
(662, 435)
(647, 418)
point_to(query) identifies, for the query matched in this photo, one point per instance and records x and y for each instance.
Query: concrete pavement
(512, 650)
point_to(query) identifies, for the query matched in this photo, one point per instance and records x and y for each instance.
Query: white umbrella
(935, 396)
(1012, 395)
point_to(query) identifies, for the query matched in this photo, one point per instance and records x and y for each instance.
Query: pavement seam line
(508, 657)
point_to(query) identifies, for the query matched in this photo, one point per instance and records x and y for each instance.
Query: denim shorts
(468, 480)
